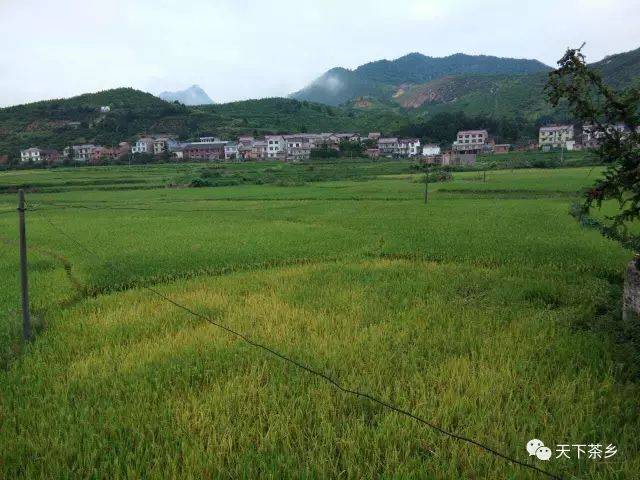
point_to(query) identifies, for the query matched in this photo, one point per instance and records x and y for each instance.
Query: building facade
(35, 154)
(408, 147)
(231, 151)
(143, 145)
(298, 148)
(388, 147)
(471, 141)
(556, 136)
(276, 146)
(430, 150)
(204, 151)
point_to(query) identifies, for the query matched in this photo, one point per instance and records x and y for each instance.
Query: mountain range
(384, 78)
(194, 95)
(475, 84)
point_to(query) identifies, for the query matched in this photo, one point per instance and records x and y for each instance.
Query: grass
(488, 311)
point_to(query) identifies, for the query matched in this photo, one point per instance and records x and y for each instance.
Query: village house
(375, 136)
(143, 145)
(79, 153)
(30, 155)
(230, 151)
(325, 140)
(246, 141)
(105, 109)
(372, 152)
(388, 146)
(204, 150)
(36, 154)
(276, 146)
(351, 137)
(298, 148)
(501, 148)
(430, 150)
(471, 141)
(408, 147)
(164, 144)
(245, 147)
(99, 153)
(259, 150)
(556, 136)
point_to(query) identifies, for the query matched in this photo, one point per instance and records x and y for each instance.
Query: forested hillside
(381, 78)
(476, 85)
(57, 123)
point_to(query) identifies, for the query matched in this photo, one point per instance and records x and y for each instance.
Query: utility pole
(426, 186)
(24, 283)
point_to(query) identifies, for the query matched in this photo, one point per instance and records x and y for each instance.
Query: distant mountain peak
(194, 95)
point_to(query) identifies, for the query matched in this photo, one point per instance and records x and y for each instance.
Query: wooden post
(24, 282)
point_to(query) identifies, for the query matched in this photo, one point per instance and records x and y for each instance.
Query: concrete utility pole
(426, 187)
(24, 282)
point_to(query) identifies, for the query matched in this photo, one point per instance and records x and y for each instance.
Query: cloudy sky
(238, 49)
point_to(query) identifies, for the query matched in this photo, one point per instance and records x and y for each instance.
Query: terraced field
(488, 311)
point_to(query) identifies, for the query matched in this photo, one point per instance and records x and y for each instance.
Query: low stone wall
(631, 297)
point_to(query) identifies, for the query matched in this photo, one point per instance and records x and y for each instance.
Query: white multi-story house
(430, 150)
(298, 147)
(80, 153)
(230, 151)
(30, 155)
(408, 147)
(143, 145)
(471, 141)
(556, 136)
(276, 146)
(35, 154)
(388, 147)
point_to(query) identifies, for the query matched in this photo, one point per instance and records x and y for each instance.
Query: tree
(613, 118)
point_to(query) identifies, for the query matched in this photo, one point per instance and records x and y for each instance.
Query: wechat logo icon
(536, 448)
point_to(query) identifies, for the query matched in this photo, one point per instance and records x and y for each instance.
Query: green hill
(621, 69)
(383, 77)
(57, 123)
(498, 87)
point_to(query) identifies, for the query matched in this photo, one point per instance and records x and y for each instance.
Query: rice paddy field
(488, 311)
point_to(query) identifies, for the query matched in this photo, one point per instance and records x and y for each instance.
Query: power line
(308, 369)
(3, 212)
(142, 209)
